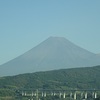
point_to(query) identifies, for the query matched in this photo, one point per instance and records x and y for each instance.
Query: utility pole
(37, 94)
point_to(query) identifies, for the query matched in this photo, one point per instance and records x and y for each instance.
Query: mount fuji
(52, 54)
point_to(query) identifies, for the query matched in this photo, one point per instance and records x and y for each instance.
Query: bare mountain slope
(53, 53)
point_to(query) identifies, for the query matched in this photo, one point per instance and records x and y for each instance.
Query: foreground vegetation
(76, 78)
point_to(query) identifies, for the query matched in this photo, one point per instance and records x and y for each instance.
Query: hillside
(52, 54)
(81, 78)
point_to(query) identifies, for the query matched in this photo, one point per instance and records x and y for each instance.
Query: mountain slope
(82, 78)
(53, 53)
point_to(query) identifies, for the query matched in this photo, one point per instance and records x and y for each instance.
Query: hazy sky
(26, 23)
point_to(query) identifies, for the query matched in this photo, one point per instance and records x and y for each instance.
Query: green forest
(63, 79)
